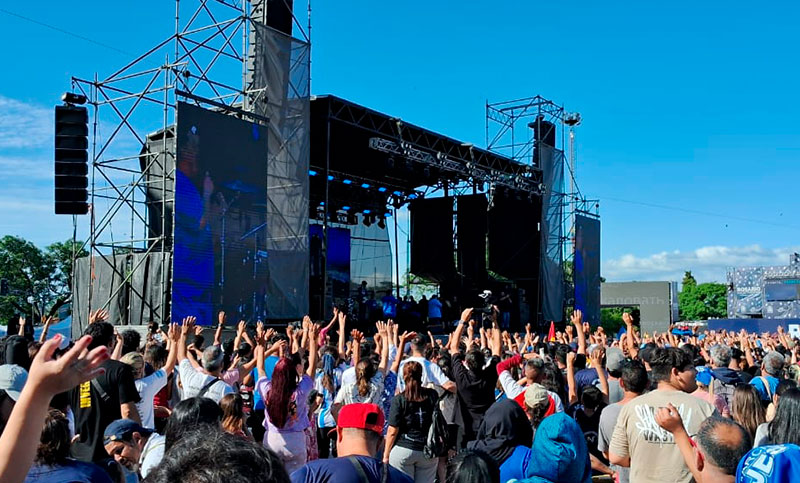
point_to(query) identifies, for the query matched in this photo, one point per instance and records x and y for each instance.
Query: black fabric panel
(432, 238)
(514, 239)
(472, 224)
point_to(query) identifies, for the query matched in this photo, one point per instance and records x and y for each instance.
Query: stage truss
(509, 133)
(208, 61)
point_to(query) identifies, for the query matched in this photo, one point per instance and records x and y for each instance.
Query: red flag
(551, 334)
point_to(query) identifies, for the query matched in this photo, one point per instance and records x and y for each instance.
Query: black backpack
(438, 435)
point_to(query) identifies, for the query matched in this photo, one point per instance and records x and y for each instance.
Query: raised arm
(47, 378)
(312, 353)
(220, 326)
(342, 334)
(456, 338)
(45, 329)
(669, 419)
(577, 321)
(628, 319)
(384, 333)
(117, 352)
(173, 334)
(571, 384)
(599, 360)
(186, 327)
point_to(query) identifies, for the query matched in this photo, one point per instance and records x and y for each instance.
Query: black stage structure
(465, 202)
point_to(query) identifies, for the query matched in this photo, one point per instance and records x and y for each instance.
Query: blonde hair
(135, 360)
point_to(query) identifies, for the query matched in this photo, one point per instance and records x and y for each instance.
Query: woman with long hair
(784, 428)
(746, 408)
(233, 417)
(409, 419)
(368, 387)
(286, 401)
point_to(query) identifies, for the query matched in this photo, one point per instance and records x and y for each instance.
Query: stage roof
(371, 148)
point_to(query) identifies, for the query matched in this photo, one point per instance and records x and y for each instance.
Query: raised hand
(466, 315)
(221, 317)
(76, 366)
(198, 330)
(627, 318)
(669, 418)
(576, 319)
(187, 324)
(99, 315)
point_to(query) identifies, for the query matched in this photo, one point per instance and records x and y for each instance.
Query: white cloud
(708, 264)
(24, 125)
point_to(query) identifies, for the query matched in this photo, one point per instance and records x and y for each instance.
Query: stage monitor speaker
(472, 225)
(432, 238)
(514, 236)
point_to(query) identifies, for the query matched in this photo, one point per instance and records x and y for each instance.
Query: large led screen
(220, 217)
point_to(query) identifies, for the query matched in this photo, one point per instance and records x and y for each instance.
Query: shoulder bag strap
(766, 386)
(359, 469)
(100, 391)
(207, 387)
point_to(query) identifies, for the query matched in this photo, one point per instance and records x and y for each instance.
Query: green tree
(702, 301)
(63, 253)
(38, 280)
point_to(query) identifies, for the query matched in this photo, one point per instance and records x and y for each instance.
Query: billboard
(219, 249)
(587, 267)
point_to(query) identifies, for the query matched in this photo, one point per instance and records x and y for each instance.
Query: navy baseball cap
(122, 429)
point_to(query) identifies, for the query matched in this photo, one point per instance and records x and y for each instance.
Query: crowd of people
(322, 402)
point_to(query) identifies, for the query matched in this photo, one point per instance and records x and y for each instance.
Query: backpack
(438, 435)
(724, 390)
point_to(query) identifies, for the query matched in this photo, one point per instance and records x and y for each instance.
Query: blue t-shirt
(342, 469)
(434, 309)
(758, 383)
(71, 470)
(269, 368)
(389, 306)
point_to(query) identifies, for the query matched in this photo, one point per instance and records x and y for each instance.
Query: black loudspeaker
(432, 238)
(279, 15)
(514, 236)
(71, 160)
(472, 226)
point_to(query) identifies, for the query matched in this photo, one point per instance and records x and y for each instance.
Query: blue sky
(690, 106)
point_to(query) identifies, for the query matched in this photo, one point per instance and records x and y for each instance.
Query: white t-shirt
(148, 387)
(348, 394)
(152, 453)
(349, 374)
(431, 373)
(193, 381)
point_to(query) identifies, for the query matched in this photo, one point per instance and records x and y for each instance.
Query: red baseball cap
(361, 416)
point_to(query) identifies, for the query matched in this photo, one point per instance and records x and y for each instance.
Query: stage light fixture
(346, 181)
(365, 185)
(311, 172)
(366, 212)
(388, 214)
(330, 177)
(397, 193)
(346, 208)
(412, 196)
(72, 98)
(381, 189)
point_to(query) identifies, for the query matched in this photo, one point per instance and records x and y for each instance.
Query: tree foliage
(38, 279)
(702, 301)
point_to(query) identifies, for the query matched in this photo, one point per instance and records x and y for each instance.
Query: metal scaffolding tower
(208, 62)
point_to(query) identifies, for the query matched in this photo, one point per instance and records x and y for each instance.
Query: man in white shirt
(205, 380)
(134, 447)
(431, 373)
